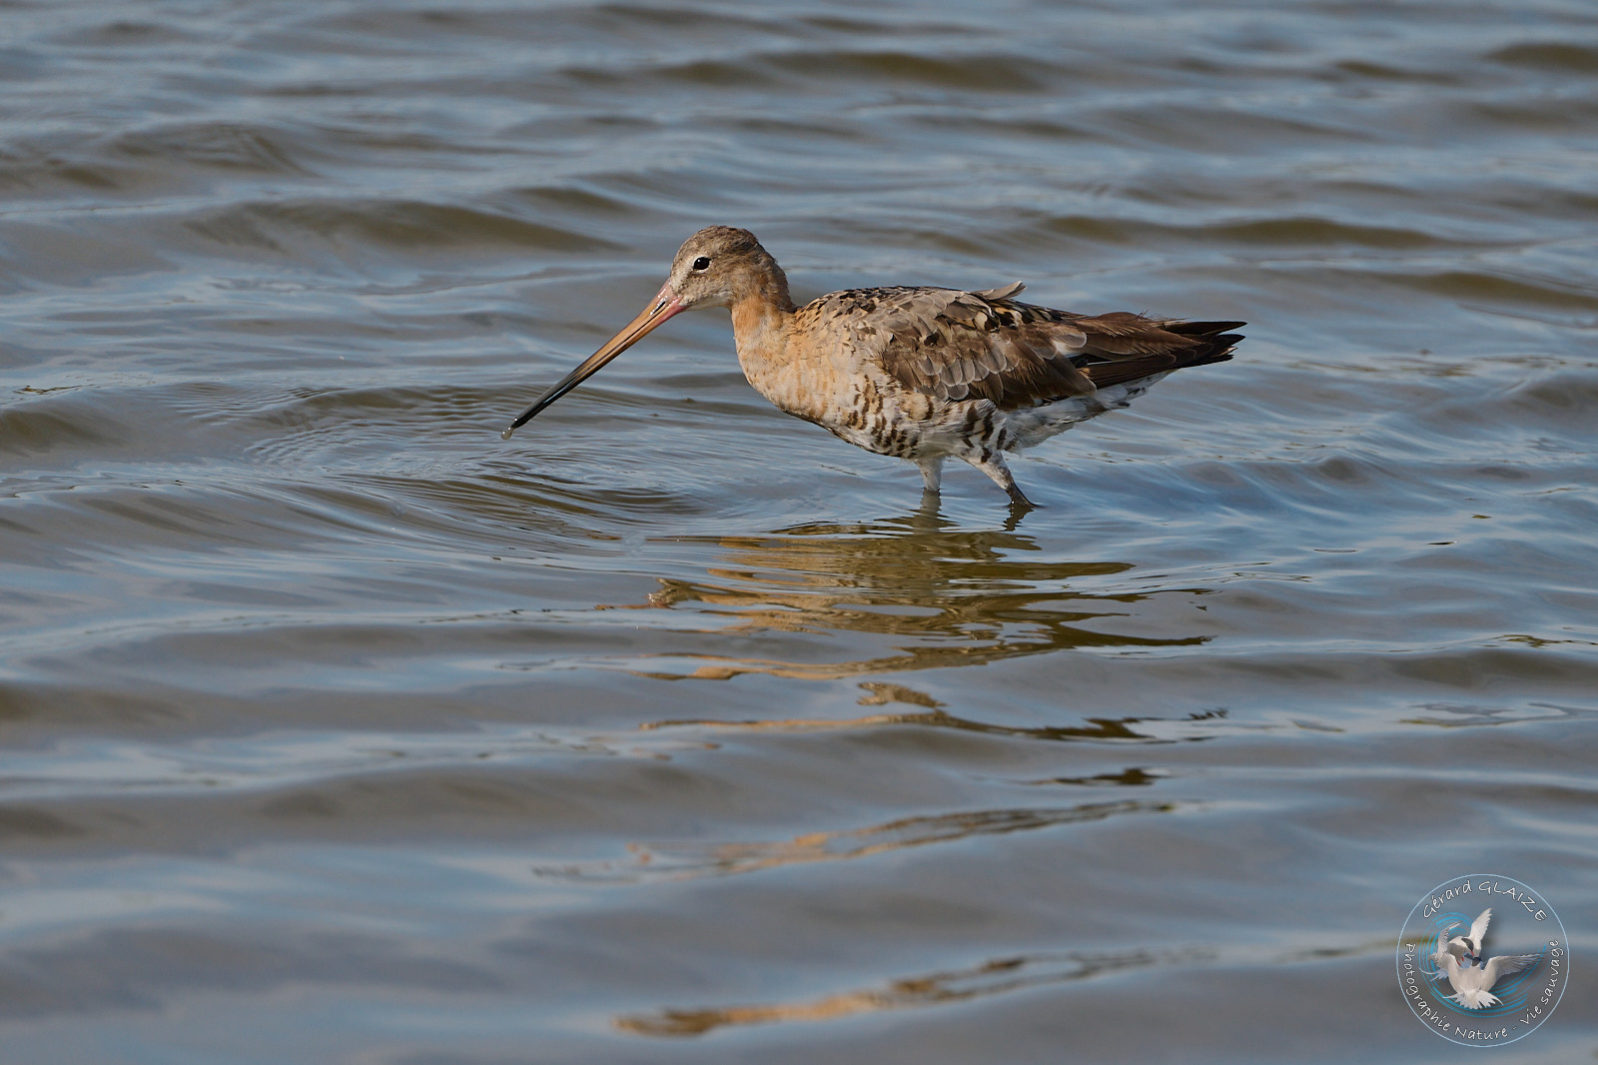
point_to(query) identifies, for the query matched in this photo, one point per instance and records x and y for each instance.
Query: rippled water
(337, 730)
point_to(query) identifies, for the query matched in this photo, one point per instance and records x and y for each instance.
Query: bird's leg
(995, 468)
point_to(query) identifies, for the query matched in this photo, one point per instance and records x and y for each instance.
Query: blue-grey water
(333, 729)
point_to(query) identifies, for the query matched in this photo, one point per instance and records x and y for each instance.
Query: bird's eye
(702, 263)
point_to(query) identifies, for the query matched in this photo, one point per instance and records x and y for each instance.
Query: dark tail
(1215, 341)
(1207, 342)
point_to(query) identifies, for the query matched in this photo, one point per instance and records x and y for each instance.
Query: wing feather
(1504, 964)
(955, 345)
(1478, 927)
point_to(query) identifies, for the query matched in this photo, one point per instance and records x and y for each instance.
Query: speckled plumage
(922, 374)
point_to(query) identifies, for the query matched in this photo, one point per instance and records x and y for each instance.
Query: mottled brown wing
(956, 345)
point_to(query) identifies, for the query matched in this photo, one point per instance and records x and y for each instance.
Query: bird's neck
(773, 358)
(762, 310)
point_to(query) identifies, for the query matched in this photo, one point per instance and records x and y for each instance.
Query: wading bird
(923, 374)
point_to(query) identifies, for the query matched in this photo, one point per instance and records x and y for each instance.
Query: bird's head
(716, 267)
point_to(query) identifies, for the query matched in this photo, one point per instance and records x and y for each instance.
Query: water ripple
(337, 728)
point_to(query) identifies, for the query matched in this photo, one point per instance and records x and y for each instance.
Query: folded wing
(955, 345)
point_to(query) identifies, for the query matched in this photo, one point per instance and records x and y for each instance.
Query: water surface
(335, 729)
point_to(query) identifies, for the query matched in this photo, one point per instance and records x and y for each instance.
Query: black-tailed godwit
(922, 374)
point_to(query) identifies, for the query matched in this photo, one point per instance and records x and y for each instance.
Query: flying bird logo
(1472, 975)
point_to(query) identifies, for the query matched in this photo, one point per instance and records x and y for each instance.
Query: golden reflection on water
(999, 976)
(941, 595)
(899, 834)
(1095, 728)
(694, 860)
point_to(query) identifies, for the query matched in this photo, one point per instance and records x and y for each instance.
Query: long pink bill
(663, 306)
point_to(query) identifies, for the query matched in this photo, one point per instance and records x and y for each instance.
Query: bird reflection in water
(930, 595)
(685, 860)
(923, 594)
(996, 977)
(688, 861)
